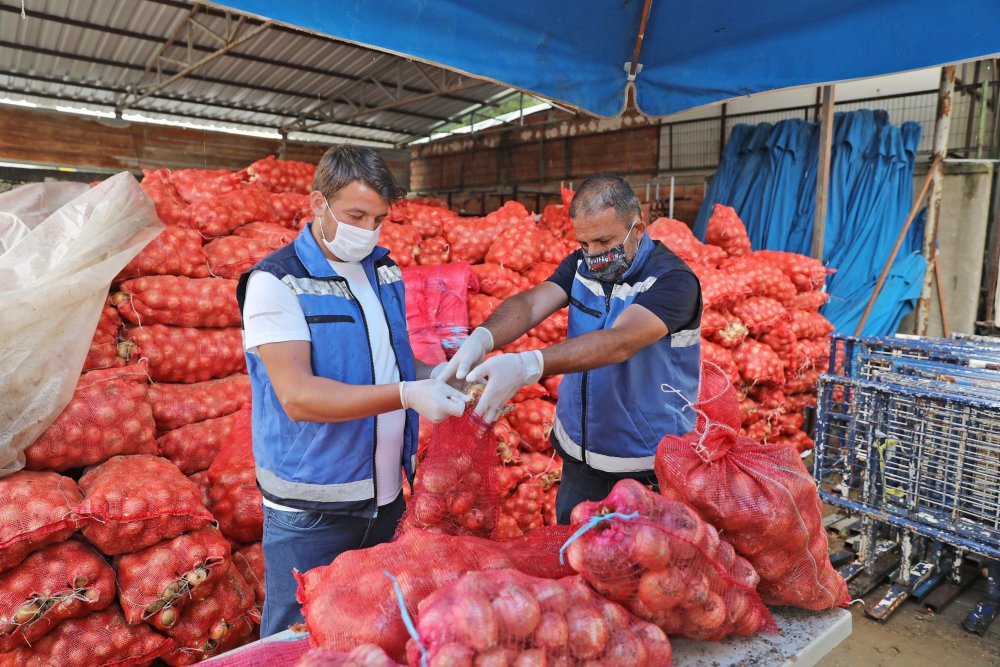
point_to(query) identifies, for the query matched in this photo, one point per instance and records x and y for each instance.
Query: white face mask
(350, 243)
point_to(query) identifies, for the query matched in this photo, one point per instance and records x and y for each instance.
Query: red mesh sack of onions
(811, 301)
(762, 277)
(721, 357)
(223, 213)
(232, 256)
(719, 289)
(352, 601)
(433, 250)
(481, 306)
(185, 354)
(455, 490)
(137, 501)
(665, 564)
(61, 581)
(429, 219)
(726, 230)
(499, 282)
(510, 618)
(759, 313)
(170, 208)
(533, 420)
(781, 338)
(176, 252)
(760, 496)
(108, 414)
(758, 363)
(37, 509)
(806, 273)
(175, 405)
(518, 246)
(471, 238)
(366, 655)
(678, 237)
(100, 639)
(197, 185)
(274, 235)
(282, 175)
(289, 209)
(157, 582)
(539, 272)
(809, 325)
(401, 240)
(723, 328)
(233, 493)
(103, 352)
(179, 301)
(193, 447)
(222, 620)
(249, 561)
(552, 329)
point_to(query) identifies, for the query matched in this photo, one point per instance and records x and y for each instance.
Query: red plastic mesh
(37, 509)
(666, 565)
(351, 601)
(250, 562)
(282, 175)
(157, 582)
(498, 281)
(272, 653)
(136, 501)
(222, 620)
(175, 405)
(179, 301)
(195, 185)
(760, 496)
(275, 235)
(225, 212)
(455, 491)
(103, 352)
(61, 581)
(437, 310)
(231, 256)
(193, 447)
(761, 276)
(108, 414)
(470, 238)
(175, 252)
(726, 230)
(233, 493)
(184, 354)
(170, 208)
(677, 236)
(509, 617)
(366, 655)
(101, 639)
(518, 246)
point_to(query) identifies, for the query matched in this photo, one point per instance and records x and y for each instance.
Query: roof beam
(16, 91)
(129, 66)
(233, 37)
(172, 98)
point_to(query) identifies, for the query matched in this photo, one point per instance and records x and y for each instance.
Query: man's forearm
(511, 320)
(318, 399)
(589, 351)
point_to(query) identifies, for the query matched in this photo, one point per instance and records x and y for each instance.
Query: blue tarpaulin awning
(692, 53)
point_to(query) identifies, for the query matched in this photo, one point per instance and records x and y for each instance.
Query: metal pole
(671, 214)
(984, 91)
(823, 173)
(941, 129)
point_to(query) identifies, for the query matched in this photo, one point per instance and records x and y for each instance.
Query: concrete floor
(913, 639)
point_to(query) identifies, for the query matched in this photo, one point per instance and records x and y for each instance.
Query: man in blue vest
(631, 362)
(335, 384)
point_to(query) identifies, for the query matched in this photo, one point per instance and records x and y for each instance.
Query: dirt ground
(915, 639)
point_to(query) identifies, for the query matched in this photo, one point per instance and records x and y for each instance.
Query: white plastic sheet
(54, 278)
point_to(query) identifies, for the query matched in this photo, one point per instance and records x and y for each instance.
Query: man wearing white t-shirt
(335, 384)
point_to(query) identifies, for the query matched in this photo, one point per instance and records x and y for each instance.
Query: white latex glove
(432, 399)
(469, 355)
(505, 374)
(437, 373)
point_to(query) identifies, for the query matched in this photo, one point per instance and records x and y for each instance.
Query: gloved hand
(469, 355)
(505, 374)
(437, 373)
(432, 399)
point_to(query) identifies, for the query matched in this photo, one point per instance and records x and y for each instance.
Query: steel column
(823, 173)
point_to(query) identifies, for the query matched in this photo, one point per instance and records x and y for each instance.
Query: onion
(625, 650)
(168, 617)
(517, 612)
(588, 634)
(437, 480)
(650, 547)
(475, 622)
(452, 655)
(531, 658)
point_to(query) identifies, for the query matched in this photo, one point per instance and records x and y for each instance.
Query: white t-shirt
(272, 314)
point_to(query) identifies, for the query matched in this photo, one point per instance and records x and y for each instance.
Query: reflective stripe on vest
(615, 464)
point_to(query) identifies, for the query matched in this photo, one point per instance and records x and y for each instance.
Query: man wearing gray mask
(336, 389)
(631, 363)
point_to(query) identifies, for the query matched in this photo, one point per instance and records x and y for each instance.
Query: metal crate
(913, 456)
(865, 357)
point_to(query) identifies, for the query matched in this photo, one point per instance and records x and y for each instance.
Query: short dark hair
(600, 192)
(347, 163)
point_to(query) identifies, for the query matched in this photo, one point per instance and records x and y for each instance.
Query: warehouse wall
(60, 139)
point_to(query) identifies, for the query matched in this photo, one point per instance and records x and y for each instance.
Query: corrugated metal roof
(103, 52)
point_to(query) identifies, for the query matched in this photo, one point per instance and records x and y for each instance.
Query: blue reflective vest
(317, 465)
(613, 417)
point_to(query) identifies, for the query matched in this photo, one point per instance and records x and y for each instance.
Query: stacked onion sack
(761, 322)
(134, 532)
(502, 253)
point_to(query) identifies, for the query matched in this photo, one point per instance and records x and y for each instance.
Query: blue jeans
(304, 540)
(581, 483)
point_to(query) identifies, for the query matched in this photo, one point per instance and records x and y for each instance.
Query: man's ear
(317, 203)
(640, 228)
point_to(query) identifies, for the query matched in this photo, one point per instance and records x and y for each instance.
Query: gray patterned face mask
(611, 264)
